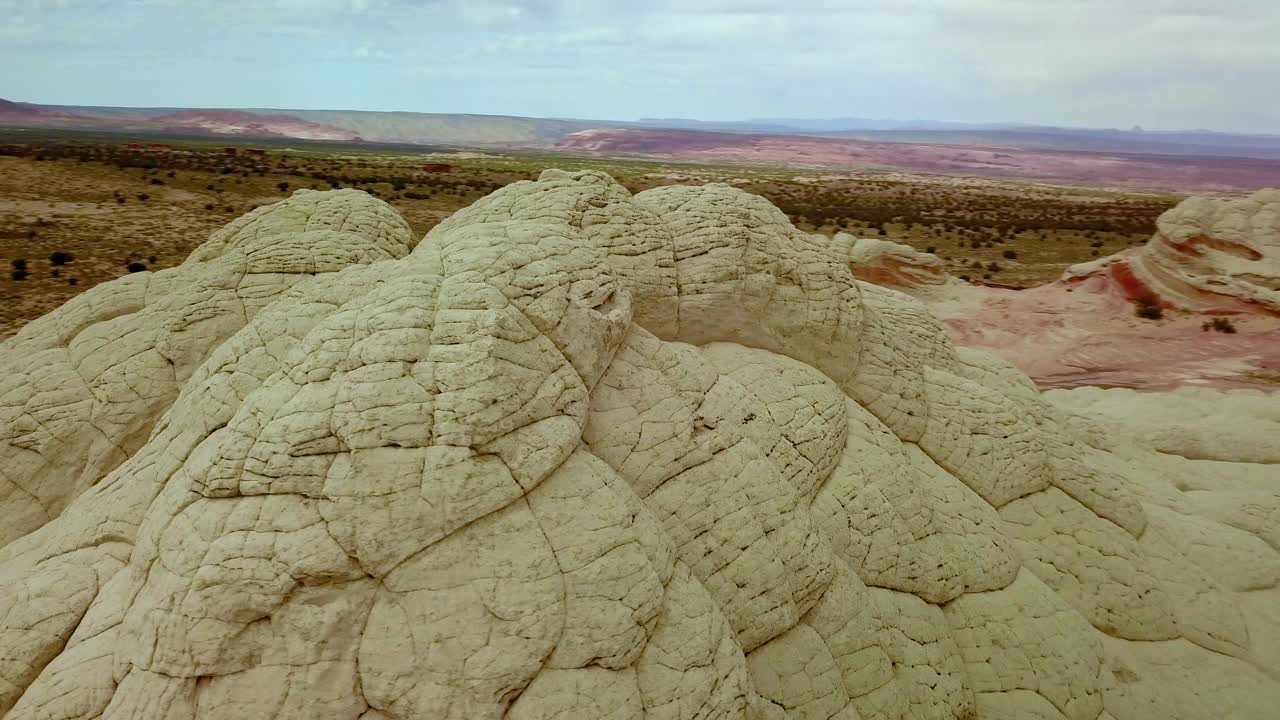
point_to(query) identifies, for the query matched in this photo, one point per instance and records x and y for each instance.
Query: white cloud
(1159, 63)
(366, 52)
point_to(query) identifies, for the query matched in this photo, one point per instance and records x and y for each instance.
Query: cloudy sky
(1102, 63)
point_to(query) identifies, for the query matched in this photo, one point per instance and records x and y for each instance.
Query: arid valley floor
(77, 210)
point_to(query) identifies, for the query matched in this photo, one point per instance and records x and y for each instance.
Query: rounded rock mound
(580, 453)
(1212, 255)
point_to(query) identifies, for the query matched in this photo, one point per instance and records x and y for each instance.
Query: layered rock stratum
(1211, 259)
(1215, 255)
(583, 454)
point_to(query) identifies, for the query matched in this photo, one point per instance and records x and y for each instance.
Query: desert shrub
(1148, 307)
(19, 274)
(157, 181)
(993, 267)
(143, 196)
(134, 267)
(931, 249)
(120, 200)
(1010, 255)
(284, 186)
(73, 281)
(19, 264)
(1221, 324)
(152, 259)
(208, 206)
(60, 258)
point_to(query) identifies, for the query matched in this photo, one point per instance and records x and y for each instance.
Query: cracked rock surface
(583, 454)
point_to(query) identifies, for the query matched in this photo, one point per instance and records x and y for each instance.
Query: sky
(1161, 64)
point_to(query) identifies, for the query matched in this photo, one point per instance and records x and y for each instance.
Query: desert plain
(295, 430)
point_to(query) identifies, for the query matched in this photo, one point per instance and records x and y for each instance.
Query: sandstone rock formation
(1208, 255)
(1193, 422)
(888, 263)
(582, 454)
(1211, 256)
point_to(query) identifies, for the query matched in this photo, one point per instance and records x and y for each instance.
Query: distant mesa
(236, 122)
(1181, 161)
(1020, 157)
(8, 107)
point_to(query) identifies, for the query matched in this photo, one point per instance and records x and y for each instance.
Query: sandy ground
(50, 207)
(70, 207)
(93, 211)
(1063, 337)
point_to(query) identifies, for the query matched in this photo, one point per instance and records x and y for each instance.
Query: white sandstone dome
(581, 454)
(84, 385)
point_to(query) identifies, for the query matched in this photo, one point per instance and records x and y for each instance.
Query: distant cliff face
(336, 125)
(1176, 173)
(247, 124)
(1180, 162)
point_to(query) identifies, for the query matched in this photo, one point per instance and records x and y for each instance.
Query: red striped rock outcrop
(1209, 255)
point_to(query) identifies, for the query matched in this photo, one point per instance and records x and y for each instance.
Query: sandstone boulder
(580, 453)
